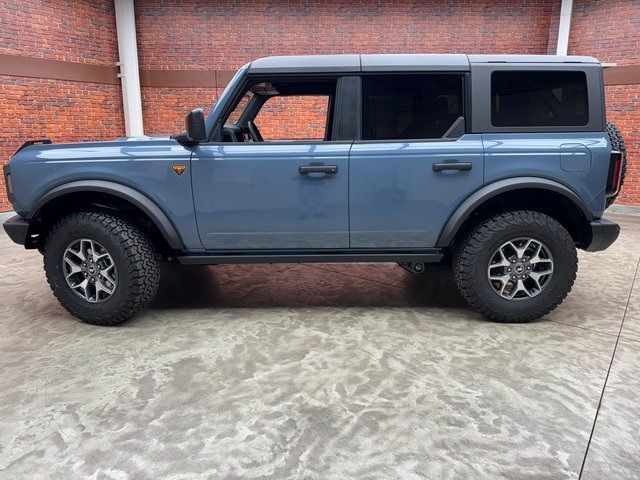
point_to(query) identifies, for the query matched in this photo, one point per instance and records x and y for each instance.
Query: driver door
(289, 191)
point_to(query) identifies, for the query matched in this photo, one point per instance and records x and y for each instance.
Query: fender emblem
(179, 168)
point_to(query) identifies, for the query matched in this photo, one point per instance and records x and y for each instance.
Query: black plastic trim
(6, 170)
(306, 169)
(17, 228)
(603, 233)
(459, 166)
(473, 201)
(345, 256)
(348, 109)
(28, 143)
(148, 206)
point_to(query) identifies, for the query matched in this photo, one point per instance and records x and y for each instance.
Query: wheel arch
(569, 210)
(142, 203)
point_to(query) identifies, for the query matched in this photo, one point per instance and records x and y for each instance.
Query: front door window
(282, 111)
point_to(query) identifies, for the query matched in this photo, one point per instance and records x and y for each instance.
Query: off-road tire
(617, 143)
(473, 254)
(136, 259)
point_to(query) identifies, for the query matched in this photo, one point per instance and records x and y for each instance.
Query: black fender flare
(144, 203)
(477, 198)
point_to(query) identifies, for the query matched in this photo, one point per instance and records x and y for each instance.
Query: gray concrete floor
(322, 372)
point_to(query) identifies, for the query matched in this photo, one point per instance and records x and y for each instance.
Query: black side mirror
(194, 124)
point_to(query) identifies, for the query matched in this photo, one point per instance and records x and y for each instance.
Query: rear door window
(539, 99)
(415, 106)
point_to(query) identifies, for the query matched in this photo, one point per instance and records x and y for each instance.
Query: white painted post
(564, 27)
(129, 74)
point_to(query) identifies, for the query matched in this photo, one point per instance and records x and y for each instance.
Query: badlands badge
(179, 168)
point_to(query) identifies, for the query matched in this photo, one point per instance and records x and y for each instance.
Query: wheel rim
(89, 270)
(520, 269)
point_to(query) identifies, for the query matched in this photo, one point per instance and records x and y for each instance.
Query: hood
(124, 147)
(143, 138)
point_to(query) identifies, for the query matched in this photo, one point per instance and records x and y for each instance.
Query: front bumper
(603, 234)
(17, 228)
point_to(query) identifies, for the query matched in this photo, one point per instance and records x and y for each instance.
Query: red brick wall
(610, 31)
(71, 30)
(309, 112)
(623, 109)
(193, 35)
(164, 109)
(227, 34)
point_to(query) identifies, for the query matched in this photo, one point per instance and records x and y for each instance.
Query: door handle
(460, 166)
(304, 169)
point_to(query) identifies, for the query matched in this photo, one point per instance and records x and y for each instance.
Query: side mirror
(195, 127)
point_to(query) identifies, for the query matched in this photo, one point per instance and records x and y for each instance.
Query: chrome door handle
(460, 166)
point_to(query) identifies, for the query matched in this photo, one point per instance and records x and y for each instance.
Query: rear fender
(476, 199)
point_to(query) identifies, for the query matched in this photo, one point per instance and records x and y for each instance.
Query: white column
(129, 74)
(564, 27)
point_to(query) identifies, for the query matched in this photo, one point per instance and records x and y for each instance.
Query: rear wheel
(101, 268)
(516, 266)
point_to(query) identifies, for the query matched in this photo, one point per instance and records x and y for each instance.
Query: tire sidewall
(56, 246)
(564, 270)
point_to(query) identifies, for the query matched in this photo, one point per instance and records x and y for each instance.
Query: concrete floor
(322, 372)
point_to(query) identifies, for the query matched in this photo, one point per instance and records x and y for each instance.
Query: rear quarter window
(539, 99)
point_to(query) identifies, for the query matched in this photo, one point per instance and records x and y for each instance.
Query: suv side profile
(500, 164)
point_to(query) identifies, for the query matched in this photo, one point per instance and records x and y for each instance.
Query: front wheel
(101, 268)
(516, 266)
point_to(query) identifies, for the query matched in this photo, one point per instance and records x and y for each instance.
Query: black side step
(435, 255)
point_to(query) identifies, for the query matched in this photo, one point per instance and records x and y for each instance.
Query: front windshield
(217, 106)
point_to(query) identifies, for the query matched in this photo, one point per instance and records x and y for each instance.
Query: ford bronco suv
(501, 165)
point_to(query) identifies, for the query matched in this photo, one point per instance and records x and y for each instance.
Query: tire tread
(142, 265)
(476, 241)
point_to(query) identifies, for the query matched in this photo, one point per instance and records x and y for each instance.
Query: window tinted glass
(539, 99)
(396, 107)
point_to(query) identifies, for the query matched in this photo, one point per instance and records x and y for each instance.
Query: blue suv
(501, 165)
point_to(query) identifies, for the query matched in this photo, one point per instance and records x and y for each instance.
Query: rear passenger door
(414, 163)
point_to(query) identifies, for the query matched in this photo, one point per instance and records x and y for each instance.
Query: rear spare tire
(617, 143)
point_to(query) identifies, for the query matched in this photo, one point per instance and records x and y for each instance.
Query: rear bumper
(603, 234)
(17, 228)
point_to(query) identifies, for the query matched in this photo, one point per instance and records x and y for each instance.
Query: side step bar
(432, 256)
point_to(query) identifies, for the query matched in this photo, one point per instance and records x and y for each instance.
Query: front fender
(144, 203)
(477, 198)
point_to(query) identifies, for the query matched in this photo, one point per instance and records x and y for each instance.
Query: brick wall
(192, 35)
(203, 35)
(70, 30)
(610, 31)
(274, 119)
(228, 33)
